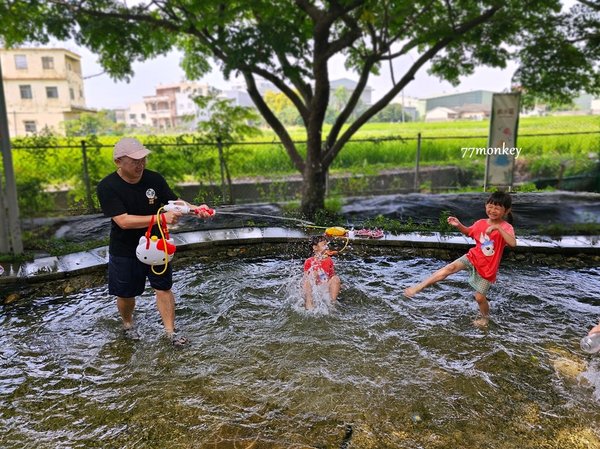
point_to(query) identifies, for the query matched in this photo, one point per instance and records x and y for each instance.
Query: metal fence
(55, 179)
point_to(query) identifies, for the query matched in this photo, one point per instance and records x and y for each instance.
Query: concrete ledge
(62, 272)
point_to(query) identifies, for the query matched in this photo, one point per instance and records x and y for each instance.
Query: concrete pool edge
(575, 250)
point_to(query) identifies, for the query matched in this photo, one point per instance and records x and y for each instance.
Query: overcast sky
(103, 93)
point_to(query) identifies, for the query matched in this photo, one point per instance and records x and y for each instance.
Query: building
(440, 114)
(412, 106)
(136, 116)
(476, 97)
(172, 104)
(595, 106)
(43, 88)
(473, 112)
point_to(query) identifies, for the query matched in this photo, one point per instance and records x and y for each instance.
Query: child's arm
(453, 221)
(508, 238)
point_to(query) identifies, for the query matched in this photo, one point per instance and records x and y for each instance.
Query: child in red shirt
(491, 235)
(319, 270)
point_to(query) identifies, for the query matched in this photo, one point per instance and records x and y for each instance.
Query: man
(131, 196)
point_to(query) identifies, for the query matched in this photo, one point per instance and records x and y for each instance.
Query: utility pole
(10, 228)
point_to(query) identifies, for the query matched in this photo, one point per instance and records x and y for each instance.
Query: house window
(71, 93)
(47, 62)
(30, 126)
(131, 116)
(143, 116)
(21, 62)
(26, 92)
(51, 92)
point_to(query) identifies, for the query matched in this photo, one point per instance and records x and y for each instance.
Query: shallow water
(376, 371)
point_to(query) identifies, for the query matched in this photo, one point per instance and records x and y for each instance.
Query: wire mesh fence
(59, 176)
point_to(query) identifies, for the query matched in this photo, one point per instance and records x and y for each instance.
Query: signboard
(502, 144)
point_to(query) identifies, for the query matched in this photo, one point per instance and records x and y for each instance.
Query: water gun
(184, 208)
(154, 250)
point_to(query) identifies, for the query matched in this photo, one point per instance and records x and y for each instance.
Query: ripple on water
(261, 368)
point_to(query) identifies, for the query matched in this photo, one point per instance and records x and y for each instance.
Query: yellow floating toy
(336, 231)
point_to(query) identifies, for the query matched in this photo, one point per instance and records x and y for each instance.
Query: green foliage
(227, 123)
(290, 44)
(92, 124)
(326, 217)
(558, 229)
(395, 226)
(44, 163)
(392, 113)
(443, 222)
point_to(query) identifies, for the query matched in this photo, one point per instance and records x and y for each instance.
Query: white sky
(103, 93)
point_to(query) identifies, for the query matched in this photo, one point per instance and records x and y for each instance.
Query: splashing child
(491, 236)
(319, 270)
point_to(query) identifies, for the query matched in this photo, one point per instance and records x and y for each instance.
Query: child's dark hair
(314, 240)
(500, 198)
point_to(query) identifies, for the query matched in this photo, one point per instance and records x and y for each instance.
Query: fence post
(11, 226)
(86, 179)
(416, 184)
(222, 164)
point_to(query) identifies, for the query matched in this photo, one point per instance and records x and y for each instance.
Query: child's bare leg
(307, 291)
(484, 310)
(335, 284)
(439, 275)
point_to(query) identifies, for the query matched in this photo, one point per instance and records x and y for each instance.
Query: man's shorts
(127, 277)
(480, 284)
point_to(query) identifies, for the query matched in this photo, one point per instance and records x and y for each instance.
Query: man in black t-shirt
(131, 196)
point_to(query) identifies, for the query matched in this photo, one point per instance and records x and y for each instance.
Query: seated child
(318, 270)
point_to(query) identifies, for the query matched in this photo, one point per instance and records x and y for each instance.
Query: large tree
(292, 43)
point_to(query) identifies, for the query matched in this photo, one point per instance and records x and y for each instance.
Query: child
(318, 270)
(595, 329)
(491, 236)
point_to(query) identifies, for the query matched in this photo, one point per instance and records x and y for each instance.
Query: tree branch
(408, 77)
(272, 120)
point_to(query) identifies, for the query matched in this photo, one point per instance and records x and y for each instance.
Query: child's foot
(481, 322)
(410, 292)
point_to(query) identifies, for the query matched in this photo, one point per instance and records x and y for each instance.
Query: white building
(136, 116)
(595, 106)
(415, 107)
(171, 105)
(440, 114)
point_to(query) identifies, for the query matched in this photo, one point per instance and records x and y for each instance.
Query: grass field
(547, 143)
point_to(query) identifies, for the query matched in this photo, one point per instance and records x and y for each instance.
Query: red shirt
(487, 253)
(318, 264)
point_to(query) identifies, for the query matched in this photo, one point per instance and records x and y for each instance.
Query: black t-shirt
(117, 197)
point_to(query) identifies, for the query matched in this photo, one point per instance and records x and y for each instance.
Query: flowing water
(375, 371)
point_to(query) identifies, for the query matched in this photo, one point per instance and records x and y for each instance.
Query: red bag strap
(148, 232)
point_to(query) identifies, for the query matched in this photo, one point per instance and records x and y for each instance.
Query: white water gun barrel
(177, 205)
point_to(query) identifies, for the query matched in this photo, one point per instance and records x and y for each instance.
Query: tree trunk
(313, 190)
